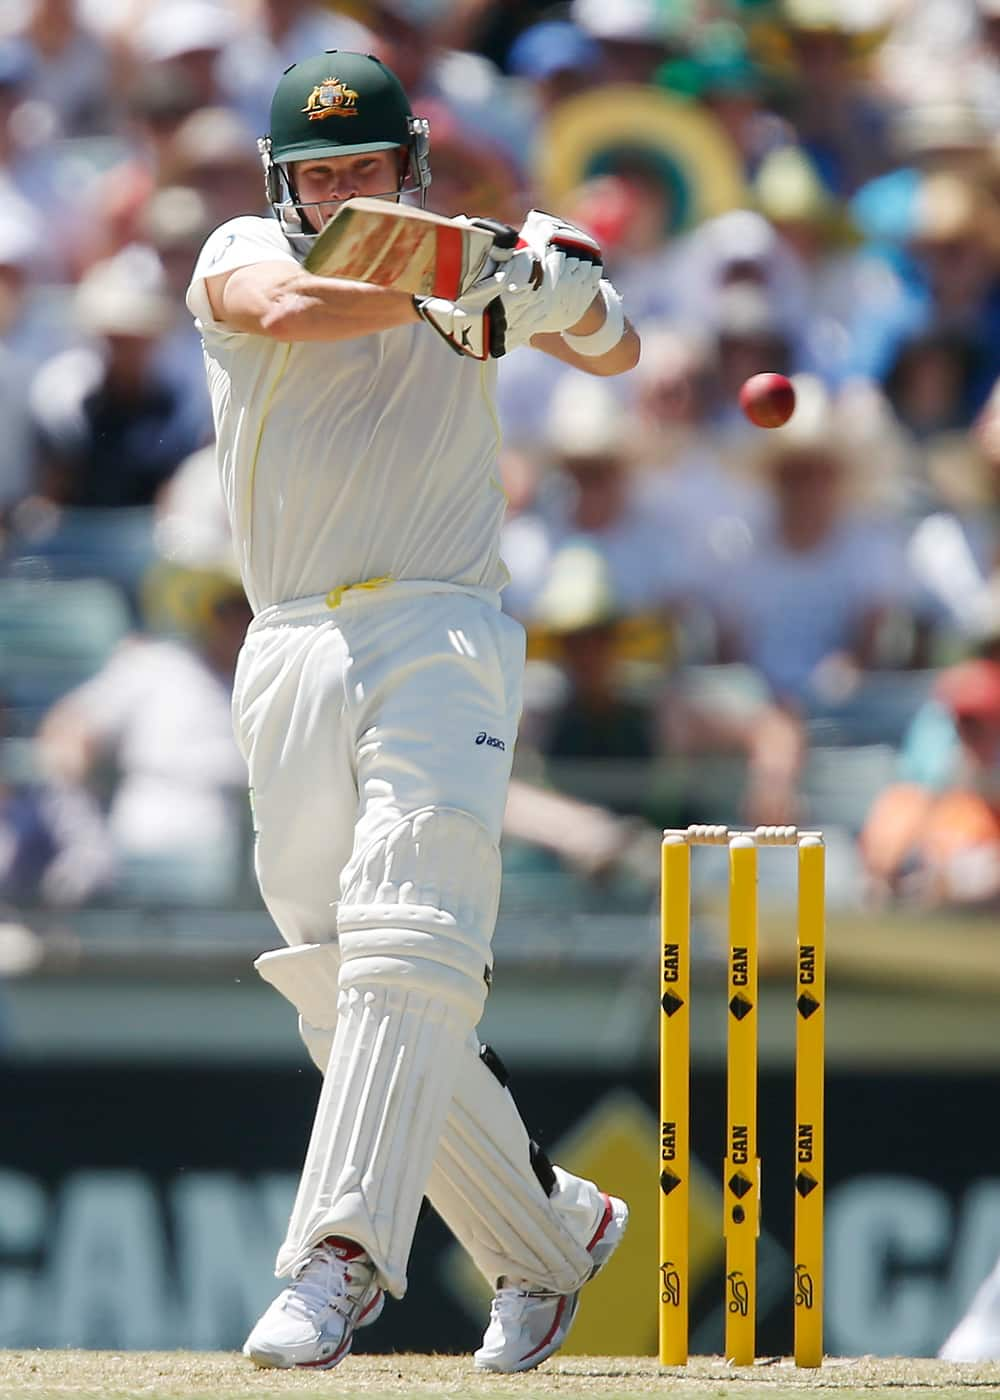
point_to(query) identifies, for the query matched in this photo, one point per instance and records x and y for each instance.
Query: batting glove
(481, 280)
(541, 231)
(477, 332)
(557, 301)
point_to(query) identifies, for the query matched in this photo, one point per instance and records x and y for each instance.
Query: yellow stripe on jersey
(335, 595)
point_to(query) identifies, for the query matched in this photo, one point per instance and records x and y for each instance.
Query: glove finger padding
(541, 231)
(565, 291)
(520, 268)
(575, 283)
(480, 333)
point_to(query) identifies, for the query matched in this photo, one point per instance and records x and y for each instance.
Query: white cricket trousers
(397, 699)
(397, 703)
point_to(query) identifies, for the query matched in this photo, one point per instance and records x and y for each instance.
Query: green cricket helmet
(339, 104)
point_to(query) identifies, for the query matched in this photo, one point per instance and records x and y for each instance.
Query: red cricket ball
(768, 400)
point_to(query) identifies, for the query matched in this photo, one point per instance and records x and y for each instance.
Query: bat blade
(397, 246)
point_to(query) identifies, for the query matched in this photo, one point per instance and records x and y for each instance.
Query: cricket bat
(398, 246)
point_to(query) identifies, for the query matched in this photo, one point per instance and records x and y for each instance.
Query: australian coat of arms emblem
(331, 98)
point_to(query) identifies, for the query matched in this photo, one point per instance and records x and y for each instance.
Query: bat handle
(504, 236)
(505, 240)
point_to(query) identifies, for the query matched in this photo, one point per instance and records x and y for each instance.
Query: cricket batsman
(376, 702)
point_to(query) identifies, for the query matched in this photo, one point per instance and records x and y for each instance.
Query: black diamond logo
(668, 1180)
(807, 1004)
(740, 1185)
(671, 1002)
(740, 1007)
(804, 1183)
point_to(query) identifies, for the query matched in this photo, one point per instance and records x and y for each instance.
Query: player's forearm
(325, 308)
(620, 358)
(290, 305)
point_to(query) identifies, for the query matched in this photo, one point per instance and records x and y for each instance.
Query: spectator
(942, 846)
(157, 103)
(946, 282)
(587, 838)
(405, 37)
(73, 82)
(749, 339)
(719, 73)
(158, 715)
(113, 425)
(212, 152)
(272, 35)
(954, 549)
(632, 213)
(635, 37)
(672, 389)
(549, 62)
(174, 225)
(805, 605)
(929, 754)
(472, 172)
(932, 381)
(818, 239)
(715, 268)
(557, 59)
(840, 116)
(29, 170)
(610, 733)
(939, 128)
(982, 68)
(54, 845)
(205, 149)
(925, 41)
(591, 494)
(184, 40)
(690, 482)
(19, 234)
(593, 719)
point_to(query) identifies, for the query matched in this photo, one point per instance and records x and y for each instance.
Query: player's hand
(484, 284)
(570, 264)
(556, 301)
(547, 274)
(480, 333)
(541, 231)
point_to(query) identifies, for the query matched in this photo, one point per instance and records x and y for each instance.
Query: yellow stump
(675, 1125)
(742, 1166)
(809, 1076)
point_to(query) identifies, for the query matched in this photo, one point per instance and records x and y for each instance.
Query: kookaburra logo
(490, 740)
(331, 98)
(670, 1291)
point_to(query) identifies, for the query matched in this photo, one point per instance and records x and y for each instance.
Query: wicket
(741, 1172)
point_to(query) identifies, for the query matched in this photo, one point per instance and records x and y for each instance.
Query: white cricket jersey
(371, 458)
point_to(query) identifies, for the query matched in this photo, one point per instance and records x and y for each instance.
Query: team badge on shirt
(331, 98)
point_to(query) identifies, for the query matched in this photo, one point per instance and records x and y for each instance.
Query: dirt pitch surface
(181, 1375)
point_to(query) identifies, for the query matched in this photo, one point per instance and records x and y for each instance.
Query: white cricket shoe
(525, 1325)
(311, 1323)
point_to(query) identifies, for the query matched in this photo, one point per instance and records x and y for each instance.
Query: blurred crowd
(725, 623)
